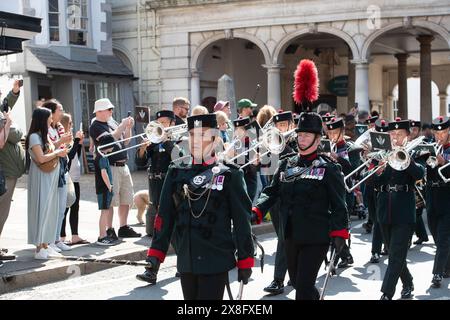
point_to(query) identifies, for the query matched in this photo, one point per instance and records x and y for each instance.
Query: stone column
(273, 85)
(402, 85)
(351, 87)
(195, 88)
(443, 110)
(362, 84)
(425, 77)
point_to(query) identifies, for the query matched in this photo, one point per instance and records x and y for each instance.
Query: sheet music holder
(381, 141)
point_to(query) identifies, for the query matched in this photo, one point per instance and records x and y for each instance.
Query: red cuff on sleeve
(156, 253)
(246, 263)
(340, 233)
(258, 214)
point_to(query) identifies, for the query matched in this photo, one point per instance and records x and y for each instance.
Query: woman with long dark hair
(43, 200)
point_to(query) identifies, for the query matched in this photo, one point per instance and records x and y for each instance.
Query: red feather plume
(306, 83)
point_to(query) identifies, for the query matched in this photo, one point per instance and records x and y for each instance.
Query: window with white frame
(77, 21)
(53, 20)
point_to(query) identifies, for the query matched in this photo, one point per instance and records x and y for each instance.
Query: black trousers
(421, 231)
(440, 229)
(397, 237)
(74, 209)
(203, 287)
(280, 257)
(154, 193)
(377, 235)
(304, 262)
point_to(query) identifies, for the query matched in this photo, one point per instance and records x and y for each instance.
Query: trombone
(441, 174)
(272, 139)
(399, 159)
(154, 132)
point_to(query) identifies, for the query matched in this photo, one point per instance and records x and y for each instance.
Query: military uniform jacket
(157, 156)
(204, 241)
(312, 205)
(397, 207)
(438, 197)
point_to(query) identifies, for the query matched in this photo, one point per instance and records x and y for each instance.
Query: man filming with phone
(12, 157)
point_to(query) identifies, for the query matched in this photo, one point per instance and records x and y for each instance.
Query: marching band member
(200, 201)
(420, 230)
(397, 213)
(438, 202)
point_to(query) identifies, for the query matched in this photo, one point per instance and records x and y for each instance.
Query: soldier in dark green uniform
(283, 122)
(310, 188)
(396, 207)
(370, 122)
(420, 230)
(250, 171)
(201, 201)
(335, 131)
(371, 195)
(438, 202)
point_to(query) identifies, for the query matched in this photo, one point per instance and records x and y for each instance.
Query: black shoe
(385, 297)
(367, 227)
(384, 252)
(375, 258)
(446, 274)
(346, 262)
(276, 287)
(420, 241)
(407, 292)
(148, 276)
(107, 241)
(177, 274)
(111, 233)
(289, 283)
(436, 282)
(128, 232)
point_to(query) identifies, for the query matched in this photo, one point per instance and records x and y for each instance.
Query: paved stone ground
(362, 281)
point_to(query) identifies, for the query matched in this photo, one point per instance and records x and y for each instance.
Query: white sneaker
(52, 251)
(54, 247)
(64, 247)
(41, 255)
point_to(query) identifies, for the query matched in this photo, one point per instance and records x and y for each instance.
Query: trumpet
(154, 132)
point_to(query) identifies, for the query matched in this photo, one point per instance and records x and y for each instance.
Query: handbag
(71, 196)
(48, 166)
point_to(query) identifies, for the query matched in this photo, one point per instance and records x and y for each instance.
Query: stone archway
(239, 56)
(199, 49)
(411, 43)
(435, 28)
(332, 50)
(284, 42)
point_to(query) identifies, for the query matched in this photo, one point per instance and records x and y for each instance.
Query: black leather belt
(160, 175)
(119, 164)
(395, 188)
(438, 184)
